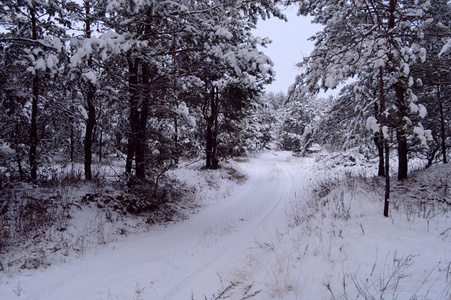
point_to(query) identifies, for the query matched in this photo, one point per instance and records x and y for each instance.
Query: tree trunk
(72, 131)
(400, 102)
(176, 102)
(72, 142)
(140, 165)
(384, 122)
(401, 134)
(379, 138)
(212, 132)
(214, 155)
(139, 114)
(91, 122)
(402, 154)
(442, 126)
(379, 142)
(143, 114)
(209, 145)
(34, 129)
(90, 98)
(387, 178)
(18, 156)
(100, 145)
(133, 117)
(34, 109)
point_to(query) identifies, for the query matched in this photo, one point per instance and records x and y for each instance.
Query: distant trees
(302, 116)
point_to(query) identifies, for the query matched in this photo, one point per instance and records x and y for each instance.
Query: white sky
(290, 44)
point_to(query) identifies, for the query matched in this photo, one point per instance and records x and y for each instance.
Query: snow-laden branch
(445, 48)
(30, 41)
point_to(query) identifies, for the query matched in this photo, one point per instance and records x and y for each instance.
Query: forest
(155, 81)
(143, 87)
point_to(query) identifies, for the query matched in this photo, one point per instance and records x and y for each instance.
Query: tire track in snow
(257, 226)
(158, 242)
(171, 262)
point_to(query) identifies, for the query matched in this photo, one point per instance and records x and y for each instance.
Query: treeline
(148, 81)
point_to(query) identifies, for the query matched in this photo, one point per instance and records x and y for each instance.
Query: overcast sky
(290, 44)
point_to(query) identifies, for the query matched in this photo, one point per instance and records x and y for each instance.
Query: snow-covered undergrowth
(339, 245)
(291, 228)
(65, 217)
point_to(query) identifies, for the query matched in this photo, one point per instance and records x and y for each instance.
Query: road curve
(184, 260)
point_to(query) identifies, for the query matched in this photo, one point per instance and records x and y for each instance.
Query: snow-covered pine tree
(303, 118)
(168, 45)
(379, 41)
(232, 70)
(361, 38)
(260, 124)
(86, 65)
(144, 37)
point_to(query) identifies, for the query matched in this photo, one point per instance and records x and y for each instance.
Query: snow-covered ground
(291, 230)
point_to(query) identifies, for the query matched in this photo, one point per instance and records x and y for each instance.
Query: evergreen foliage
(151, 81)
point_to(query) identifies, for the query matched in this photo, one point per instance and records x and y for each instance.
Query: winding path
(184, 260)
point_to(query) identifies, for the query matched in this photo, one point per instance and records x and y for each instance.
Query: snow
(40, 64)
(183, 111)
(224, 32)
(57, 44)
(423, 135)
(112, 5)
(51, 61)
(445, 48)
(90, 76)
(372, 124)
(385, 132)
(269, 236)
(422, 111)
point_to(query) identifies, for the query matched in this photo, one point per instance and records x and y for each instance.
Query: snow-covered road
(183, 260)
